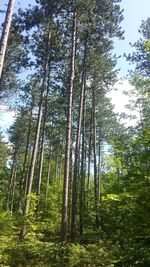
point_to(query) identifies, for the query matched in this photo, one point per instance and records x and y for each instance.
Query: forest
(74, 178)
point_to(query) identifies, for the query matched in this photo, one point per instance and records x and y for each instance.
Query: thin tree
(96, 184)
(37, 135)
(11, 186)
(77, 149)
(5, 33)
(68, 135)
(38, 189)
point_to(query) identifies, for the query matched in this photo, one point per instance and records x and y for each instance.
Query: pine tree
(5, 33)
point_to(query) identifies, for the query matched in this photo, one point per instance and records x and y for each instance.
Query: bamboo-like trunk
(68, 135)
(5, 33)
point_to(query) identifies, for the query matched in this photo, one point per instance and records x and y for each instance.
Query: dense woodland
(74, 178)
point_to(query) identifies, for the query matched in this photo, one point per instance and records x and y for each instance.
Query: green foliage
(123, 237)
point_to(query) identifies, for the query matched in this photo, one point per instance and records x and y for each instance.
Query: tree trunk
(89, 157)
(99, 163)
(96, 189)
(5, 33)
(70, 189)
(37, 135)
(42, 141)
(13, 192)
(24, 175)
(48, 177)
(11, 181)
(68, 136)
(82, 186)
(77, 149)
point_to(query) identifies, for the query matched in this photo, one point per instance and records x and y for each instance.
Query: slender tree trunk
(68, 136)
(11, 181)
(5, 33)
(48, 177)
(77, 149)
(24, 174)
(96, 189)
(99, 163)
(82, 187)
(13, 192)
(89, 156)
(37, 135)
(42, 141)
(70, 189)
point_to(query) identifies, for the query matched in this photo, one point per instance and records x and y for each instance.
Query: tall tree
(5, 33)
(78, 138)
(68, 132)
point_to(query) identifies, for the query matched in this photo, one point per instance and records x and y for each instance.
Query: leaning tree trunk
(37, 135)
(5, 33)
(77, 149)
(68, 136)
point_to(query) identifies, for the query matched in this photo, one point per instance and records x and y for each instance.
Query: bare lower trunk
(68, 137)
(77, 149)
(13, 192)
(70, 189)
(96, 189)
(99, 163)
(35, 148)
(42, 141)
(48, 177)
(82, 186)
(9, 200)
(5, 33)
(24, 174)
(89, 156)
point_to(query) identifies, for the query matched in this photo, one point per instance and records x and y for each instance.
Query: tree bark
(5, 33)
(24, 175)
(68, 135)
(99, 163)
(96, 189)
(39, 179)
(82, 186)
(13, 191)
(77, 149)
(89, 156)
(48, 177)
(37, 135)
(9, 204)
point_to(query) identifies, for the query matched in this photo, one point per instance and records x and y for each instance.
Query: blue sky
(134, 12)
